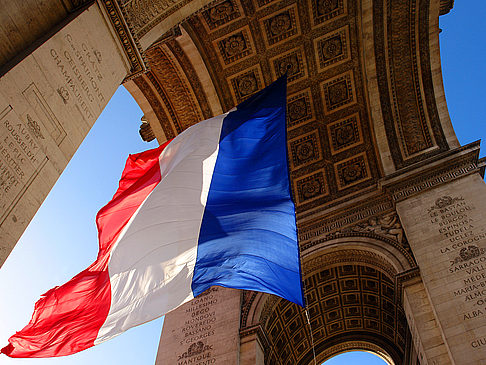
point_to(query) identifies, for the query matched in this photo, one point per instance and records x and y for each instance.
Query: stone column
(48, 103)
(204, 331)
(446, 228)
(251, 349)
(426, 335)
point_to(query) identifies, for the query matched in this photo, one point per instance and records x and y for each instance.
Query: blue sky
(62, 239)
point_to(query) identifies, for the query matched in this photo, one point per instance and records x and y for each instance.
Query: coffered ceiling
(361, 93)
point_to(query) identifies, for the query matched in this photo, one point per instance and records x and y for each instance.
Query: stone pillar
(426, 335)
(446, 228)
(48, 103)
(251, 350)
(204, 331)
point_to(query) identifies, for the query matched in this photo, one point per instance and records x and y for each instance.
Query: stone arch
(359, 345)
(353, 299)
(397, 147)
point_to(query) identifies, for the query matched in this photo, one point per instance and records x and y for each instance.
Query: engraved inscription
(197, 328)
(454, 219)
(203, 331)
(21, 157)
(47, 119)
(79, 66)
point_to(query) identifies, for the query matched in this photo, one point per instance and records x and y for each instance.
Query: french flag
(210, 207)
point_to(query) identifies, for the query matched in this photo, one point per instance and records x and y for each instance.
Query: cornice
(445, 6)
(402, 278)
(346, 216)
(482, 166)
(433, 172)
(260, 334)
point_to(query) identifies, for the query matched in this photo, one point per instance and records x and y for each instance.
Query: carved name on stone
(79, 66)
(203, 331)
(453, 219)
(21, 157)
(448, 237)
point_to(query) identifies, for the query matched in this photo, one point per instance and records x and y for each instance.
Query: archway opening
(351, 307)
(357, 357)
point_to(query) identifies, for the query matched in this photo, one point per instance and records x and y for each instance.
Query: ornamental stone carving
(247, 85)
(387, 225)
(352, 171)
(332, 48)
(338, 93)
(194, 349)
(311, 187)
(234, 45)
(298, 109)
(280, 24)
(221, 12)
(289, 64)
(34, 127)
(327, 6)
(325, 10)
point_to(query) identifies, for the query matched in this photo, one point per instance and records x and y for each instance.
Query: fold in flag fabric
(210, 207)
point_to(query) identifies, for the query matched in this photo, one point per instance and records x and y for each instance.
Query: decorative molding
(482, 166)
(130, 45)
(310, 187)
(326, 224)
(152, 94)
(403, 248)
(300, 109)
(407, 275)
(386, 226)
(175, 86)
(281, 26)
(345, 133)
(143, 15)
(402, 278)
(352, 171)
(324, 11)
(34, 127)
(460, 164)
(259, 333)
(268, 308)
(221, 14)
(409, 109)
(192, 77)
(245, 84)
(347, 256)
(196, 348)
(332, 48)
(168, 36)
(352, 300)
(305, 150)
(338, 92)
(235, 47)
(283, 38)
(248, 297)
(293, 63)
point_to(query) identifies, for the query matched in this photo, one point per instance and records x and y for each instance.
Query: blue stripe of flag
(248, 237)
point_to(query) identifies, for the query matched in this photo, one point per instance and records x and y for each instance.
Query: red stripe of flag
(67, 318)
